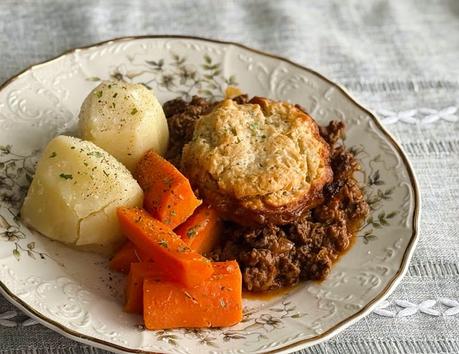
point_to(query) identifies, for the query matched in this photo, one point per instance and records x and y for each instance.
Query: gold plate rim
(393, 282)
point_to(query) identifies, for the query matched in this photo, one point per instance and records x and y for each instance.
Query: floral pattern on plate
(75, 293)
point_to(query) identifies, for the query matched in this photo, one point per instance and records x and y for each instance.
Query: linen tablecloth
(399, 58)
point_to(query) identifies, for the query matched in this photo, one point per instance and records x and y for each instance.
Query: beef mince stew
(275, 256)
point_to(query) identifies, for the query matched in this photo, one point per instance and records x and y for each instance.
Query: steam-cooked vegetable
(216, 302)
(166, 248)
(134, 289)
(202, 230)
(125, 255)
(124, 119)
(75, 192)
(168, 193)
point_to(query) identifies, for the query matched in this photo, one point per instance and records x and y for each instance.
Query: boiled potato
(124, 119)
(75, 192)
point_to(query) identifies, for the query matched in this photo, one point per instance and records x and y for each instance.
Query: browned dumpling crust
(262, 162)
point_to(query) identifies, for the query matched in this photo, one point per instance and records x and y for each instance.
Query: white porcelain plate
(75, 294)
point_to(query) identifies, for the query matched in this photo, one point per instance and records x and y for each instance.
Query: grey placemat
(400, 58)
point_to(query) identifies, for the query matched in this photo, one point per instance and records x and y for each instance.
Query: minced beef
(273, 256)
(181, 118)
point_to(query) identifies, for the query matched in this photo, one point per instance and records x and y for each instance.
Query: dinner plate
(75, 294)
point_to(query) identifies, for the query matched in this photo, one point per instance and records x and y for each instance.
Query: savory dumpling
(75, 192)
(124, 119)
(261, 162)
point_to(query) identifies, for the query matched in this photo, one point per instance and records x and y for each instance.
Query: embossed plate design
(73, 292)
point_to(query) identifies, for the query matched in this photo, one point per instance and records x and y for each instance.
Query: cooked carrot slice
(216, 302)
(126, 255)
(123, 258)
(134, 288)
(167, 193)
(164, 247)
(202, 230)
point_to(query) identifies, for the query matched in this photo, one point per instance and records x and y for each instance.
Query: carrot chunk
(134, 288)
(202, 230)
(216, 302)
(126, 255)
(123, 258)
(164, 247)
(167, 193)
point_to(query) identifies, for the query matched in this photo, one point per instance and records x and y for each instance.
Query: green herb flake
(163, 243)
(98, 94)
(183, 249)
(173, 213)
(115, 94)
(168, 182)
(53, 155)
(191, 232)
(97, 154)
(65, 176)
(134, 111)
(17, 254)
